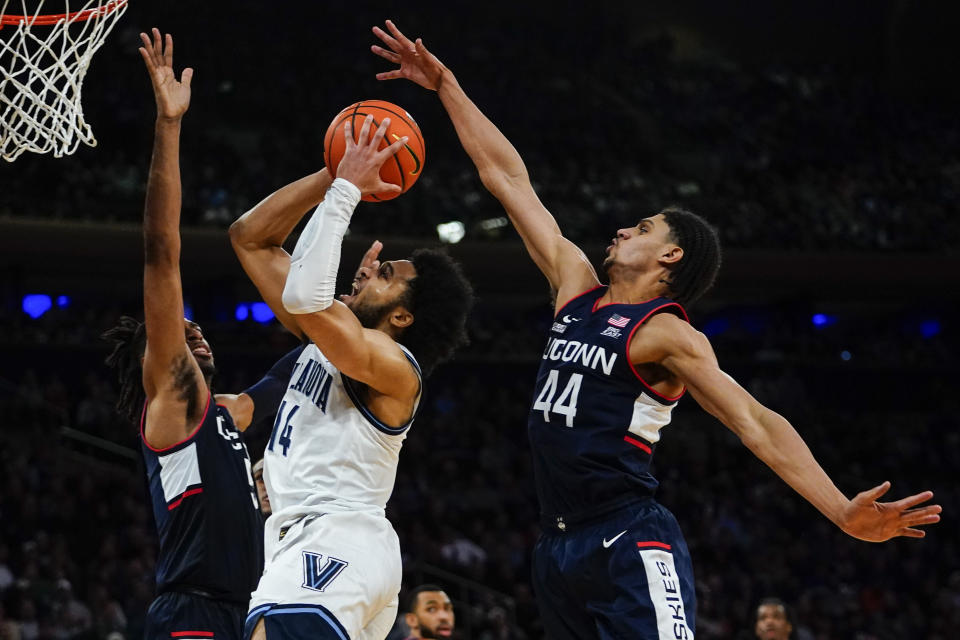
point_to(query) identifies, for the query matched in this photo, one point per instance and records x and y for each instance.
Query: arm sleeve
(312, 278)
(268, 391)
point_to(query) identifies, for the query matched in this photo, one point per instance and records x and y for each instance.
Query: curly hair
(129, 338)
(697, 269)
(439, 297)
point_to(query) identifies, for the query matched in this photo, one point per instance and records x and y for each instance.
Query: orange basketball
(403, 168)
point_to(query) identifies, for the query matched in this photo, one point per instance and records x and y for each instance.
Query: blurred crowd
(787, 158)
(77, 543)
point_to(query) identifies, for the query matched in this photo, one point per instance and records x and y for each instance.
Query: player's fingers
(870, 495)
(386, 38)
(186, 77)
(145, 39)
(380, 133)
(146, 59)
(348, 134)
(157, 46)
(911, 533)
(168, 51)
(387, 187)
(924, 511)
(394, 148)
(913, 521)
(924, 516)
(909, 501)
(390, 75)
(385, 53)
(371, 254)
(402, 39)
(421, 49)
(364, 137)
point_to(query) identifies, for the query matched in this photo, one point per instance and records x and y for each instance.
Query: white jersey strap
(352, 387)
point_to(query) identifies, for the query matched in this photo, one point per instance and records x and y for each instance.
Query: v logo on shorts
(607, 543)
(316, 576)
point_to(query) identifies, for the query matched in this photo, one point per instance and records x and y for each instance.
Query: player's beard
(428, 634)
(207, 368)
(370, 315)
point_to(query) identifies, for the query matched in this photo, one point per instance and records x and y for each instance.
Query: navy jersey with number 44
(206, 510)
(595, 422)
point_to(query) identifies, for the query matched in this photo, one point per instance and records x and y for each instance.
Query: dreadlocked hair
(129, 340)
(439, 297)
(697, 269)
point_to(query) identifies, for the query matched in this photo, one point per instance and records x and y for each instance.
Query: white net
(43, 60)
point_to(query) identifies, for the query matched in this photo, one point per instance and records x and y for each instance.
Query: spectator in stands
(261, 489)
(773, 620)
(429, 613)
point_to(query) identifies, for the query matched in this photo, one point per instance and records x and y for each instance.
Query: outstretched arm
(687, 354)
(172, 380)
(501, 168)
(258, 236)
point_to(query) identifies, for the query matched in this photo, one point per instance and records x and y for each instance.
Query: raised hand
(416, 63)
(874, 521)
(173, 97)
(369, 265)
(362, 160)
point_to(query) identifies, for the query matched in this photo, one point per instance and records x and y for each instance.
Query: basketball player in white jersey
(332, 558)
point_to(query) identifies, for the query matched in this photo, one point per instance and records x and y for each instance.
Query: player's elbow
(500, 181)
(160, 249)
(239, 234)
(301, 296)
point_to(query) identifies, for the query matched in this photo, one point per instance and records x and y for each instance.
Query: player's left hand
(873, 521)
(173, 98)
(416, 63)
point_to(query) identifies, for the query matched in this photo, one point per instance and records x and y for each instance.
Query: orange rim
(76, 16)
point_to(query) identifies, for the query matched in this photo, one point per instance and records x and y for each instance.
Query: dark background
(821, 139)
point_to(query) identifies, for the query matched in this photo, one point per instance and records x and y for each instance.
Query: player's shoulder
(665, 334)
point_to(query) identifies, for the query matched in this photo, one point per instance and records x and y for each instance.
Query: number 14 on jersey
(566, 404)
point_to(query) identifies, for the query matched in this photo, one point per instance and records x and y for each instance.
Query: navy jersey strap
(268, 391)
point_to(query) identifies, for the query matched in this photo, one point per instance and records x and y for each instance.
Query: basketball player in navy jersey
(611, 562)
(204, 502)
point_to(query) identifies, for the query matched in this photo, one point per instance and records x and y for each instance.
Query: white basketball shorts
(338, 573)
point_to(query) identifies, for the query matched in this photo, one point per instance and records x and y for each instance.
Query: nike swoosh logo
(568, 319)
(607, 543)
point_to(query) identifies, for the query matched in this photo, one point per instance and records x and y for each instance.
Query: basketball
(403, 168)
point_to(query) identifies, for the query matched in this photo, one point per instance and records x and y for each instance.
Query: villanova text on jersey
(595, 422)
(206, 510)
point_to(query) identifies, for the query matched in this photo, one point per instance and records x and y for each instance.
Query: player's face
(262, 492)
(638, 248)
(434, 612)
(372, 298)
(772, 622)
(199, 347)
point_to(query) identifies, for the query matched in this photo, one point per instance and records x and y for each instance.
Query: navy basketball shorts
(185, 616)
(627, 575)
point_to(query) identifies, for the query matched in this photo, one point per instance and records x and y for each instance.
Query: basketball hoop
(42, 71)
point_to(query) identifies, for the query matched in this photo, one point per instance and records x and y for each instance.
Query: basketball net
(43, 60)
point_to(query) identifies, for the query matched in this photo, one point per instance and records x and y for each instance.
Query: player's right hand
(416, 63)
(868, 519)
(173, 97)
(362, 160)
